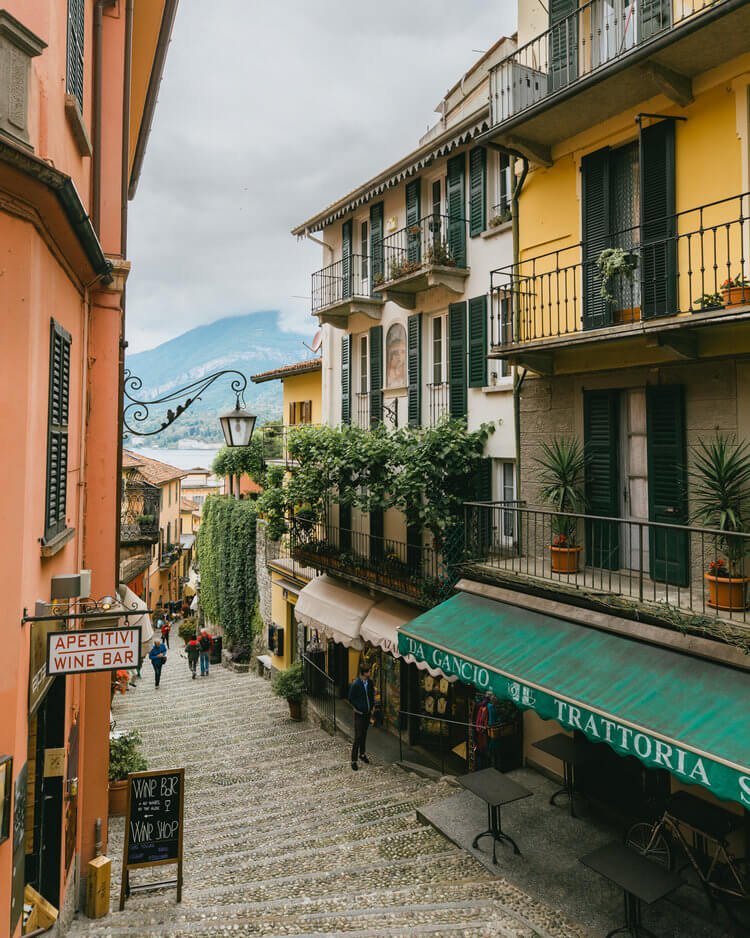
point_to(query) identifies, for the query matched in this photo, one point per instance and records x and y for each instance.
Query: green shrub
(187, 629)
(289, 684)
(125, 756)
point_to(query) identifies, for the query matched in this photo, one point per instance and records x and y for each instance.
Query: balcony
(438, 400)
(606, 57)
(139, 513)
(343, 289)
(276, 440)
(409, 571)
(428, 254)
(619, 565)
(169, 555)
(670, 304)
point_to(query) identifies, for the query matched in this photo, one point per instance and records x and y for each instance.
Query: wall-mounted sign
(6, 787)
(93, 650)
(39, 678)
(18, 830)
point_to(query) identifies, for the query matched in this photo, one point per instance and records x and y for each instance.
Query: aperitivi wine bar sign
(93, 650)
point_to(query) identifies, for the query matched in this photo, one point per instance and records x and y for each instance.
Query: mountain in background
(250, 344)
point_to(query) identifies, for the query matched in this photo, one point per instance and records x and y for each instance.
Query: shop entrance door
(338, 667)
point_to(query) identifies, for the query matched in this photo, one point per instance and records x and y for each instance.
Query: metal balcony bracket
(536, 152)
(683, 344)
(677, 87)
(339, 314)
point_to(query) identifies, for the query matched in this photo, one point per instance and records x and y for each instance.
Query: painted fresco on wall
(395, 356)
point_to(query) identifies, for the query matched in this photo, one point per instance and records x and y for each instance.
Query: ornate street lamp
(237, 426)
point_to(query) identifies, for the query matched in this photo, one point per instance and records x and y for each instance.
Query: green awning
(668, 709)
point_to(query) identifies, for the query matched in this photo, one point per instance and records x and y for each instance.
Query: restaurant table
(571, 753)
(640, 879)
(495, 789)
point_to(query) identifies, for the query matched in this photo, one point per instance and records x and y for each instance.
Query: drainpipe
(318, 241)
(517, 379)
(96, 163)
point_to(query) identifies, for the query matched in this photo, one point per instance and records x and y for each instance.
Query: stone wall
(265, 550)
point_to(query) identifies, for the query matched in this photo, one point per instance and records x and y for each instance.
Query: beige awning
(380, 628)
(334, 608)
(130, 601)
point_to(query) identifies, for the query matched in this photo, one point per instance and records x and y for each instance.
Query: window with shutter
(654, 16)
(563, 39)
(597, 313)
(377, 266)
(57, 432)
(413, 218)
(457, 359)
(76, 31)
(456, 203)
(477, 191)
(346, 380)
(346, 258)
(478, 342)
(601, 430)
(658, 243)
(414, 370)
(345, 527)
(364, 385)
(376, 375)
(365, 252)
(413, 545)
(377, 531)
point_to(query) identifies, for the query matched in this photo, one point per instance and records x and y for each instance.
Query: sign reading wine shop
(153, 826)
(93, 650)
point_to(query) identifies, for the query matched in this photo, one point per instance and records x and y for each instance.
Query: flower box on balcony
(727, 593)
(736, 295)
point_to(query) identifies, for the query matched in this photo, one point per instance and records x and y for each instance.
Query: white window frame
(443, 319)
(363, 364)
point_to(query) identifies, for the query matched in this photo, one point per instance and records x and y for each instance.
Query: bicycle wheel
(641, 838)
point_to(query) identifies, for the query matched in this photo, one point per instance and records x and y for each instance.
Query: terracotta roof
(286, 371)
(153, 471)
(187, 504)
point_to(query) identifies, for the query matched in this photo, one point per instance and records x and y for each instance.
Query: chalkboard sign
(153, 833)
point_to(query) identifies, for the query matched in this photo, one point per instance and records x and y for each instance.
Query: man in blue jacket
(158, 655)
(362, 699)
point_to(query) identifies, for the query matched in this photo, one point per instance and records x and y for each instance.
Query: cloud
(267, 113)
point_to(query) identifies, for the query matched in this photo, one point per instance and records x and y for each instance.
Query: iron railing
(438, 396)
(666, 567)
(341, 281)
(433, 241)
(362, 411)
(562, 292)
(168, 555)
(413, 570)
(321, 689)
(139, 513)
(594, 36)
(276, 441)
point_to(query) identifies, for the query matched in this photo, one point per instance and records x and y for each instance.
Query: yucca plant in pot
(290, 685)
(561, 473)
(721, 497)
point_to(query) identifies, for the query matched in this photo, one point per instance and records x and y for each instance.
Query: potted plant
(736, 291)
(290, 685)
(721, 494)
(710, 301)
(614, 264)
(187, 629)
(125, 757)
(562, 464)
(439, 254)
(500, 216)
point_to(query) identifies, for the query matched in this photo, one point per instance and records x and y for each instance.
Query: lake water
(181, 458)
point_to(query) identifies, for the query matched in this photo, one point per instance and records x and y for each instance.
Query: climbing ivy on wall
(226, 554)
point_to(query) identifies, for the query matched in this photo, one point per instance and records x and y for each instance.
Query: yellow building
(302, 404)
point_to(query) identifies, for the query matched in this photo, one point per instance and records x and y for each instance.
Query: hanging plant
(612, 264)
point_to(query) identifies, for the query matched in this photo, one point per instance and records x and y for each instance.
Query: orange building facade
(78, 83)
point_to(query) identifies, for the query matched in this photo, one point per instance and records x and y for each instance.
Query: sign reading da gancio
(90, 650)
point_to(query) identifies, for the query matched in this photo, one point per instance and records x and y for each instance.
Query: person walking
(193, 652)
(204, 643)
(166, 628)
(158, 655)
(362, 699)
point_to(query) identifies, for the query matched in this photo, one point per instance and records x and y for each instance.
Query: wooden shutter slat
(57, 431)
(477, 191)
(457, 359)
(601, 427)
(376, 375)
(597, 312)
(346, 380)
(658, 244)
(478, 342)
(377, 266)
(414, 368)
(413, 217)
(456, 199)
(346, 259)
(563, 39)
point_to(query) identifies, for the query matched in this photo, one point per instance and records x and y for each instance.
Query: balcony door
(634, 538)
(563, 43)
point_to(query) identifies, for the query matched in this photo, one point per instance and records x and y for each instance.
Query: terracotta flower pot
(118, 798)
(727, 592)
(736, 296)
(295, 709)
(565, 559)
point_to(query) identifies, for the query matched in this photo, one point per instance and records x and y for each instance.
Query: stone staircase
(282, 838)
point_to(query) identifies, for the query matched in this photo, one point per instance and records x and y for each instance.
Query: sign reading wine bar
(93, 650)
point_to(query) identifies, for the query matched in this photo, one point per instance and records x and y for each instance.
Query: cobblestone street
(282, 838)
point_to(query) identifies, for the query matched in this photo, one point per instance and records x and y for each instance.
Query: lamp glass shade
(237, 426)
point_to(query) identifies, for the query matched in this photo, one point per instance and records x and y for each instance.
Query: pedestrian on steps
(205, 643)
(193, 652)
(166, 628)
(362, 699)
(158, 656)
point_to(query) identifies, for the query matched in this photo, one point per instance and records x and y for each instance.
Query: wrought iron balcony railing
(276, 440)
(433, 241)
(343, 280)
(595, 35)
(362, 412)
(691, 270)
(169, 555)
(438, 396)
(667, 569)
(414, 571)
(139, 513)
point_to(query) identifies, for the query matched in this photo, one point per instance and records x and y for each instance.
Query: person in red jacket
(205, 643)
(193, 651)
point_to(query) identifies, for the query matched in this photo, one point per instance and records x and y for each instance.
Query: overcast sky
(268, 112)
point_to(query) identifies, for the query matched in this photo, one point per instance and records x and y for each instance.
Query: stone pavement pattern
(282, 838)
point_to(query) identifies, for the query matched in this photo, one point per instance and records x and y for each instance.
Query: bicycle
(723, 877)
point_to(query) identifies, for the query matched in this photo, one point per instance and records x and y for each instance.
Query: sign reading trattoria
(724, 780)
(89, 650)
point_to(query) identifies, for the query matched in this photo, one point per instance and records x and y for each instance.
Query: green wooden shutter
(57, 432)
(456, 199)
(457, 359)
(658, 242)
(563, 39)
(377, 265)
(377, 530)
(597, 312)
(75, 50)
(654, 16)
(376, 375)
(346, 259)
(601, 428)
(345, 528)
(414, 370)
(477, 191)
(667, 483)
(346, 379)
(480, 487)
(478, 342)
(413, 218)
